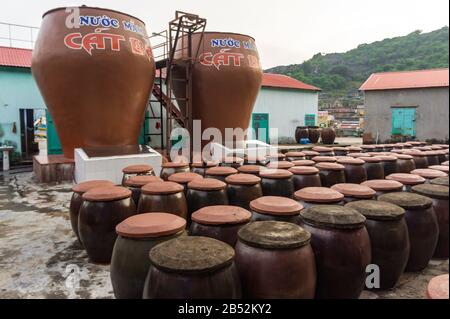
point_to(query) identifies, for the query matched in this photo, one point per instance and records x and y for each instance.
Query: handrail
(12, 34)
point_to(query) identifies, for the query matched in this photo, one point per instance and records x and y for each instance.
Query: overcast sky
(286, 31)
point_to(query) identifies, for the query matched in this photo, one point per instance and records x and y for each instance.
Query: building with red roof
(407, 105)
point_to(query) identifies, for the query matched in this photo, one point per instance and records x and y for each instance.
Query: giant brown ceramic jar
(305, 176)
(389, 238)
(275, 260)
(184, 179)
(171, 168)
(135, 184)
(201, 167)
(192, 268)
(165, 197)
(108, 70)
(422, 224)
(440, 181)
(77, 199)
(405, 163)
(439, 196)
(354, 170)
(428, 173)
(275, 208)
(295, 156)
(136, 170)
(328, 135)
(383, 186)
(313, 134)
(420, 158)
(408, 180)
(341, 245)
(102, 210)
(219, 222)
(331, 173)
(220, 173)
(206, 192)
(311, 196)
(242, 189)
(354, 192)
(390, 165)
(277, 182)
(136, 236)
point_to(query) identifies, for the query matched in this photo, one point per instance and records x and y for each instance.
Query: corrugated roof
(15, 57)
(284, 81)
(406, 80)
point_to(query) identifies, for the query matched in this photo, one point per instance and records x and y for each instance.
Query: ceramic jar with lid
(354, 170)
(354, 192)
(204, 267)
(428, 173)
(323, 151)
(277, 182)
(331, 174)
(390, 165)
(295, 156)
(354, 149)
(439, 196)
(305, 176)
(420, 158)
(171, 168)
(432, 157)
(102, 210)
(423, 227)
(310, 154)
(135, 170)
(408, 180)
(232, 161)
(374, 167)
(383, 186)
(220, 173)
(369, 148)
(275, 260)
(165, 197)
(276, 157)
(254, 159)
(280, 165)
(405, 163)
(342, 248)
(340, 151)
(311, 196)
(136, 236)
(206, 192)
(250, 169)
(184, 179)
(358, 155)
(135, 184)
(442, 168)
(440, 181)
(442, 156)
(389, 238)
(275, 208)
(201, 167)
(324, 159)
(219, 222)
(242, 189)
(77, 200)
(304, 163)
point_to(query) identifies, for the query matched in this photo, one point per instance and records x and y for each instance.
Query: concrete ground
(40, 257)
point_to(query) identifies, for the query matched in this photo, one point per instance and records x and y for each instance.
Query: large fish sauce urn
(226, 80)
(92, 76)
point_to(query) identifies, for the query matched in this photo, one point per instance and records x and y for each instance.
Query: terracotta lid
(137, 169)
(187, 254)
(371, 159)
(397, 151)
(275, 156)
(381, 185)
(151, 225)
(388, 158)
(415, 153)
(358, 155)
(431, 190)
(354, 190)
(255, 159)
(438, 287)
(377, 210)
(368, 147)
(440, 181)
(423, 148)
(431, 153)
(304, 163)
(407, 200)
(322, 149)
(280, 165)
(275, 174)
(295, 154)
(184, 178)
(406, 179)
(141, 180)
(232, 160)
(339, 148)
(351, 161)
(242, 179)
(250, 169)
(83, 187)
(162, 188)
(375, 153)
(441, 168)
(106, 194)
(221, 215)
(445, 163)
(274, 235)
(175, 165)
(207, 184)
(415, 143)
(330, 166)
(273, 205)
(221, 171)
(404, 157)
(311, 153)
(304, 170)
(428, 173)
(338, 157)
(206, 165)
(435, 147)
(334, 216)
(354, 149)
(442, 146)
(321, 159)
(318, 195)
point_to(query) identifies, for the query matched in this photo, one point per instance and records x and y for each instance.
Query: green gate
(404, 121)
(260, 125)
(53, 143)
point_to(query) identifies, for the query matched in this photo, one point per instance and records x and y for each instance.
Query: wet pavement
(41, 258)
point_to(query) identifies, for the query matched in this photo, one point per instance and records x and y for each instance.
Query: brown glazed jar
(250, 169)
(231, 161)
(136, 170)
(313, 134)
(275, 208)
(354, 192)
(390, 165)
(340, 151)
(311, 196)
(383, 186)
(440, 181)
(405, 163)
(310, 154)
(300, 133)
(184, 179)
(220, 172)
(102, 210)
(441, 168)
(170, 168)
(331, 173)
(242, 189)
(136, 236)
(165, 197)
(275, 261)
(275, 157)
(305, 176)
(77, 200)
(205, 192)
(354, 170)
(277, 182)
(389, 238)
(341, 245)
(295, 156)
(420, 158)
(439, 196)
(432, 157)
(200, 168)
(192, 268)
(135, 184)
(323, 151)
(328, 135)
(304, 163)
(408, 180)
(422, 224)
(428, 173)
(219, 222)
